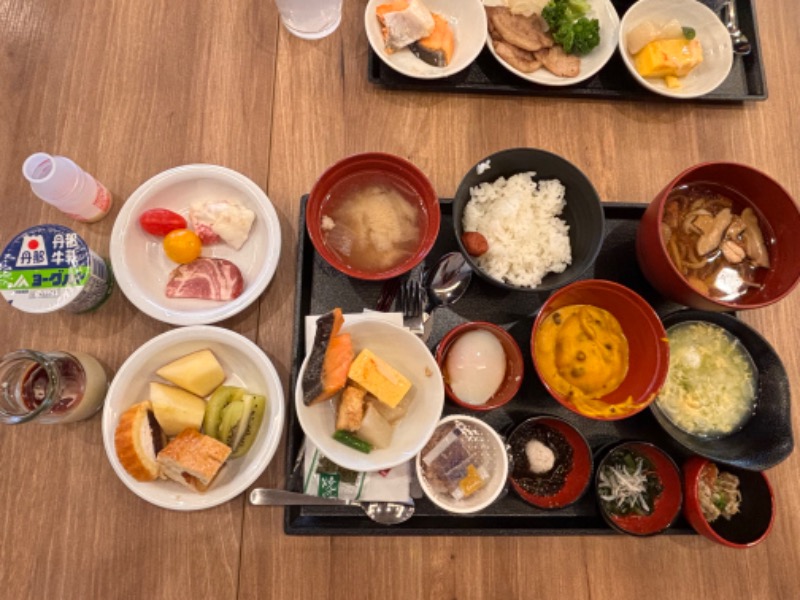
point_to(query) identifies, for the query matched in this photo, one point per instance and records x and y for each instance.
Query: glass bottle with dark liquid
(51, 387)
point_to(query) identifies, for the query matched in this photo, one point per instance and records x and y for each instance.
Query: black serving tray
(485, 75)
(321, 288)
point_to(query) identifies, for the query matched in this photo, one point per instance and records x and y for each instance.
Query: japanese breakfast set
(649, 408)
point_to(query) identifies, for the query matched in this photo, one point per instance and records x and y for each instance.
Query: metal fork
(412, 300)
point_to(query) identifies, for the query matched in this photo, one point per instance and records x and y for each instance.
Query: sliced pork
(527, 33)
(206, 279)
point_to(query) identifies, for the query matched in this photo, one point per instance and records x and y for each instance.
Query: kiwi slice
(254, 406)
(231, 416)
(221, 398)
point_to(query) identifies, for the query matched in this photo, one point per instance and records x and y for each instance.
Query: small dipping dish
(465, 357)
(666, 503)
(755, 517)
(464, 466)
(555, 472)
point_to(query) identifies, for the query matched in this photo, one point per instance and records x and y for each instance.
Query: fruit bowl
(244, 364)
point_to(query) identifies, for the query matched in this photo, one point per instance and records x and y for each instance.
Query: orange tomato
(182, 245)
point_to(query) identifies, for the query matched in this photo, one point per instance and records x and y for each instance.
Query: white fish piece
(404, 27)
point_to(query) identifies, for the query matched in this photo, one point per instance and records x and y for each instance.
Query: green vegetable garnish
(689, 33)
(348, 439)
(570, 28)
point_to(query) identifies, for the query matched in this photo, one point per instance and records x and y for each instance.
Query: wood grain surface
(128, 88)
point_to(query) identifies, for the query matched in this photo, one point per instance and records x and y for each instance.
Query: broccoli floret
(569, 28)
(587, 36)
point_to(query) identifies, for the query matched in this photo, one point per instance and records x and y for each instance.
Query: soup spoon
(385, 513)
(447, 283)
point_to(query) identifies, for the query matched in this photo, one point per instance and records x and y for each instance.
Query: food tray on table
(746, 81)
(320, 288)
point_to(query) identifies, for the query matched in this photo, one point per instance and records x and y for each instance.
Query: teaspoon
(385, 513)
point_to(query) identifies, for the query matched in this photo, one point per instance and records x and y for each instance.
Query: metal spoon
(741, 45)
(385, 513)
(446, 285)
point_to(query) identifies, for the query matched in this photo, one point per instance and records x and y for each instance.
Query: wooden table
(132, 87)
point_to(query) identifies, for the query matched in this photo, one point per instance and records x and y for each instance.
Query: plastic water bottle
(60, 182)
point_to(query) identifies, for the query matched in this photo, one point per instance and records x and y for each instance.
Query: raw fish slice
(404, 22)
(436, 49)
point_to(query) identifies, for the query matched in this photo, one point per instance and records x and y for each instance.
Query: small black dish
(583, 211)
(766, 438)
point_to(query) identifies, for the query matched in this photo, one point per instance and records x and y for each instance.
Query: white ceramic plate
(468, 21)
(498, 476)
(245, 364)
(604, 12)
(142, 268)
(410, 356)
(713, 36)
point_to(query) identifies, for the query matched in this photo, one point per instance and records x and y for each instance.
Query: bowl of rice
(528, 220)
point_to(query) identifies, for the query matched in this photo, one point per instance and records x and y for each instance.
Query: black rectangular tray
(321, 288)
(746, 81)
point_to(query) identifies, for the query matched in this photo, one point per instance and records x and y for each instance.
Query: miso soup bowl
(397, 170)
(771, 203)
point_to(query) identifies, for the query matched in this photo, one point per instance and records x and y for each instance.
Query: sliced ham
(206, 279)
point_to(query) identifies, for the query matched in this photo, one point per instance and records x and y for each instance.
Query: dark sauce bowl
(394, 168)
(766, 437)
(667, 505)
(771, 203)
(750, 526)
(577, 477)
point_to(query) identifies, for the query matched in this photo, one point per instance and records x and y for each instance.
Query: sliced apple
(198, 372)
(176, 409)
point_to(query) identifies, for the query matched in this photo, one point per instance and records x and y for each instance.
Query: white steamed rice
(520, 219)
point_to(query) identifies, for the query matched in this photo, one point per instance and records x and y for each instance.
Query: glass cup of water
(310, 19)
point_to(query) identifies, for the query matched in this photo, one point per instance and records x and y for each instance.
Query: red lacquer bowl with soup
(695, 253)
(600, 349)
(373, 216)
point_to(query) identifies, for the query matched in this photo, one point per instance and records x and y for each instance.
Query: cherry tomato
(160, 221)
(182, 245)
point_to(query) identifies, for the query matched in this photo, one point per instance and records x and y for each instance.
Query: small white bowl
(246, 366)
(498, 472)
(467, 18)
(141, 266)
(606, 14)
(410, 356)
(711, 32)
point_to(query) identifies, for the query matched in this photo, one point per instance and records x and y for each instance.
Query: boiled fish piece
(404, 22)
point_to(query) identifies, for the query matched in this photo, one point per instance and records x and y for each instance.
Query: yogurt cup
(48, 268)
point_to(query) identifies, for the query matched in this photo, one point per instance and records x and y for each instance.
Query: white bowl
(142, 268)
(410, 356)
(246, 366)
(467, 18)
(498, 475)
(604, 12)
(713, 36)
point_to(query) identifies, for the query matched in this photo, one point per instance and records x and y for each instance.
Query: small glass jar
(50, 387)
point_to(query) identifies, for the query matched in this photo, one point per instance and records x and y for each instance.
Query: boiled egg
(475, 366)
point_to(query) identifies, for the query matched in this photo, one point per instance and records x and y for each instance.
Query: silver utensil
(385, 513)
(412, 299)
(741, 45)
(448, 281)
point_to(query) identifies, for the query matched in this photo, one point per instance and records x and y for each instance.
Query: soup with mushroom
(716, 240)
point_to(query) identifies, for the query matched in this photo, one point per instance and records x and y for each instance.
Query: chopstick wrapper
(322, 477)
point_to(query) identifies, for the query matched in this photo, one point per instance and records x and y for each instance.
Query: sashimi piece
(436, 49)
(404, 22)
(206, 279)
(329, 361)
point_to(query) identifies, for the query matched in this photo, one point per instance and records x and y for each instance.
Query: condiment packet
(323, 477)
(451, 465)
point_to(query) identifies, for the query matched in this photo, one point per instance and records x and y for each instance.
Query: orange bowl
(776, 210)
(405, 177)
(648, 360)
(514, 364)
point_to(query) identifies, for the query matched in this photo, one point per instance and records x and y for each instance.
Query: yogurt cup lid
(44, 268)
